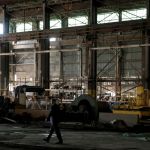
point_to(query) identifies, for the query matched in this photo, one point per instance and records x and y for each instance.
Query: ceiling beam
(36, 10)
(32, 9)
(103, 28)
(13, 2)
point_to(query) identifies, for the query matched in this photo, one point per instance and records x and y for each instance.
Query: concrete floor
(18, 137)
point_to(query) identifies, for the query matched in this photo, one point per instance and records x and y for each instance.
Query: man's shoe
(60, 142)
(46, 140)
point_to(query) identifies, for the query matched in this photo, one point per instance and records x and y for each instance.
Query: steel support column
(92, 54)
(118, 73)
(64, 24)
(44, 45)
(118, 53)
(64, 21)
(147, 53)
(4, 60)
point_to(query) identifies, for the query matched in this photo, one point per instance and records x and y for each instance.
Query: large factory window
(1, 28)
(23, 27)
(53, 42)
(77, 21)
(134, 14)
(54, 24)
(107, 17)
(52, 39)
(41, 25)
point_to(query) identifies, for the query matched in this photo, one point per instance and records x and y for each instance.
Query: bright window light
(134, 14)
(21, 27)
(53, 39)
(41, 25)
(54, 24)
(1, 28)
(107, 17)
(15, 77)
(11, 87)
(77, 21)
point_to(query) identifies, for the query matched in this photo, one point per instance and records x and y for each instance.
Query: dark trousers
(55, 128)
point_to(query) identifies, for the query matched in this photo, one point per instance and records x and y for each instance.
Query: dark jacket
(55, 113)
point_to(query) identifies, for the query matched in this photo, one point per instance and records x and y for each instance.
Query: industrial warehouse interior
(93, 56)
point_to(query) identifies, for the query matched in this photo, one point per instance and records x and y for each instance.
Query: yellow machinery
(140, 96)
(140, 106)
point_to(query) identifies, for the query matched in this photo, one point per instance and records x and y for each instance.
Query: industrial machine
(86, 109)
(139, 106)
(86, 105)
(83, 109)
(23, 101)
(20, 92)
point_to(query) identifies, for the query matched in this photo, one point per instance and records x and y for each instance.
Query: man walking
(54, 117)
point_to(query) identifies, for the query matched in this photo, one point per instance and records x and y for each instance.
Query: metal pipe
(38, 52)
(121, 46)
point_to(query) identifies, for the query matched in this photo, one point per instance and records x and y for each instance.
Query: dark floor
(19, 137)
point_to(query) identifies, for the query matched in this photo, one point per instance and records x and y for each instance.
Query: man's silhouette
(54, 117)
